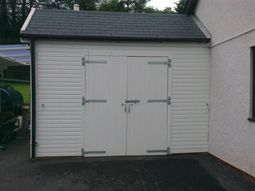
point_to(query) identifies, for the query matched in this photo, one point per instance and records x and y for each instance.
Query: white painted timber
(147, 120)
(58, 107)
(61, 124)
(105, 122)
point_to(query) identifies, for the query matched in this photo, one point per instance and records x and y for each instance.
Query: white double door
(126, 106)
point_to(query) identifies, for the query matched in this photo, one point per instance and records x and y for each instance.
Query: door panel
(147, 120)
(105, 120)
(135, 84)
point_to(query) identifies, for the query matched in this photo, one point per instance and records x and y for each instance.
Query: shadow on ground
(174, 173)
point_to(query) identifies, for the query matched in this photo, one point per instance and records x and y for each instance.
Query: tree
(167, 10)
(53, 4)
(89, 5)
(3, 20)
(12, 15)
(180, 7)
(151, 10)
(112, 5)
(137, 6)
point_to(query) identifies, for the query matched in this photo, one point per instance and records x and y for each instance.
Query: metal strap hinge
(94, 152)
(82, 152)
(84, 100)
(156, 151)
(167, 151)
(168, 100)
(86, 61)
(169, 62)
(95, 101)
(83, 61)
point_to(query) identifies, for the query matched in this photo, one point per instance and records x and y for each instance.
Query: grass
(23, 88)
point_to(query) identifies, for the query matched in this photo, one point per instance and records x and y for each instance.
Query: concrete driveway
(196, 172)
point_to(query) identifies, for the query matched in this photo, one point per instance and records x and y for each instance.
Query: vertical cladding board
(190, 98)
(59, 92)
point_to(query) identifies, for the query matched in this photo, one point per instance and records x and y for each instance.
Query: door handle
(129, 106)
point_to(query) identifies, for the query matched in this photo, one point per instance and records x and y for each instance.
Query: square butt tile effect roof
(68, 24)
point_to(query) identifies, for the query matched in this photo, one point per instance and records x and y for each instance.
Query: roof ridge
(112, 12)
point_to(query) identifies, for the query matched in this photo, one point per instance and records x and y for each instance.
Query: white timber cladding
(58, 100)
(60, 86)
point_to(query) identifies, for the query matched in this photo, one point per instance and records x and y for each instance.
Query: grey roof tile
(109, 25)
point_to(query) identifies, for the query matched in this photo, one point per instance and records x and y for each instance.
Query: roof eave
(110, 38)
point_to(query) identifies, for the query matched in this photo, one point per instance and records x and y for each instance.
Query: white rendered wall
(226, 18)
(231, 135)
